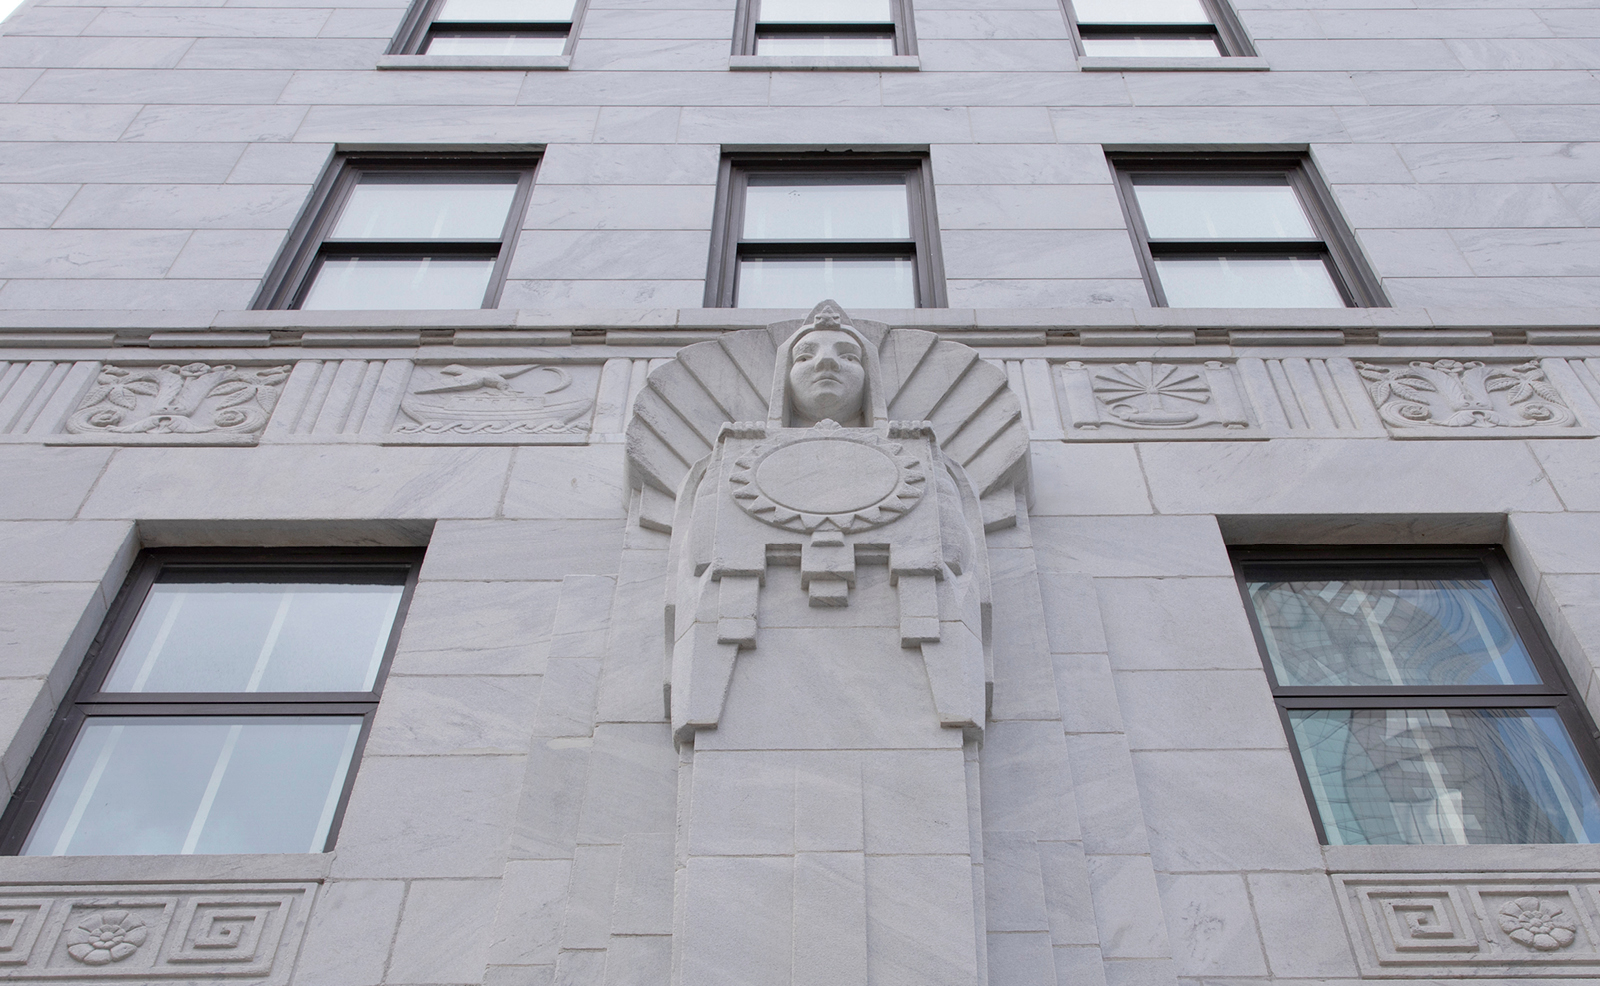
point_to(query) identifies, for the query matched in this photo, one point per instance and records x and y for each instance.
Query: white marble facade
(1034, 744)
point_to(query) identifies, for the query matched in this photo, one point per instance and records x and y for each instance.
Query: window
(1159, 29)
(488, 27)
(222, 710)
(404, 233)
(1422, 700)
(790, 232)
(1240, 231)
(824, 27)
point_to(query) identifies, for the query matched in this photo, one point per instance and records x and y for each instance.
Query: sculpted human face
(826, 378)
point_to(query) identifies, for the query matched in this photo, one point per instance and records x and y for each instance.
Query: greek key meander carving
(173, 399)
(1450, 393)
(1500, 925)
(152, 932)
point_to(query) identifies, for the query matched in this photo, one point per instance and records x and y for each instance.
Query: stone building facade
(978, 686)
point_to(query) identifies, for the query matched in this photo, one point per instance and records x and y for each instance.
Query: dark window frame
(1335, 245)
(292, 274)
(728, 244)
(1226, 28)
(746, 25)
(84, 700)
(418, 25)
(1557, 691)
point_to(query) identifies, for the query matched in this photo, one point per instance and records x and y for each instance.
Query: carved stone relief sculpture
(1446, 395)
(825, 482)
(191, 399)
(154, 932)
(1119, 401)
(525, 399)
(1494, 925)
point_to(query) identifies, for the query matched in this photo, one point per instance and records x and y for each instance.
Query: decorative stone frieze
(152, 932)
(482, 400)
(1446, 397)
(1122, 400)
(1488, 925)
(189, 399)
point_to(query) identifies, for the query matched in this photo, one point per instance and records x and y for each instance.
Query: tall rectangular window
(790, 233)
(488, 27)
(1240, 231)
(824, 28)
(404, 233)
(223, 710)
(1422, 700)
(1159, 29)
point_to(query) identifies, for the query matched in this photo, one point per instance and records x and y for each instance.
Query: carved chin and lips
(827, 379)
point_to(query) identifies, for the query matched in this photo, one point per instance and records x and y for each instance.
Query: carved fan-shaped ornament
(976, 417)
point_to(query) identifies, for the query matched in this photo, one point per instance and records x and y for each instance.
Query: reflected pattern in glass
(1247, 282)
(1256, 211)
(1446, 776)
(825, 11)
(825, 44)
(481, 43)
(215, 784)
(382, 209)
(362, 283)
(1374, 632)
(1151, 47)
(1140, 12)
(832, 210)
(855, 282)
(534, 11)
(256, 637)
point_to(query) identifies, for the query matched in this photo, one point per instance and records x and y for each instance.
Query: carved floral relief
(173, 399)
(1451, 393)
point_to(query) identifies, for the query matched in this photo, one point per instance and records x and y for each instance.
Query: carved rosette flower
(105, 937)
(1537, 924)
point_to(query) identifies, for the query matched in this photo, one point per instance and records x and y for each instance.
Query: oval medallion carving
(827, 477)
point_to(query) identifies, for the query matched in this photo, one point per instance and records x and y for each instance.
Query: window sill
(1123, 63)
(825, 63)
(518, 63)
(1471, 859)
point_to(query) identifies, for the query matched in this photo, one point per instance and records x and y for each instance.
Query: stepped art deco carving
(828, 484)
(191, 399)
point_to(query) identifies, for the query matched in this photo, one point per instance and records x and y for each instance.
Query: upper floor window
(1159, 29)
(1422, 699)
(223, 710)
(824, 27)
(397, 233)
(791, 232)
(488, 27)
(1243, 231)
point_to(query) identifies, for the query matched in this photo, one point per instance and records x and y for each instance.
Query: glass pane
(256, 637)
(211, 784)
(1256, 211)
(1140, 12)
(362, 283)
(496, 44)
(1247, 282)
(1366, 632)
(557, 11)
(390, 209)
(826, 11)
(823, 44)
(862, 210)
(888, 282)
(1446, 776)
(1153, 47)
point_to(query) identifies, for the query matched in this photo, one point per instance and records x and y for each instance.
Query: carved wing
(975, 415)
